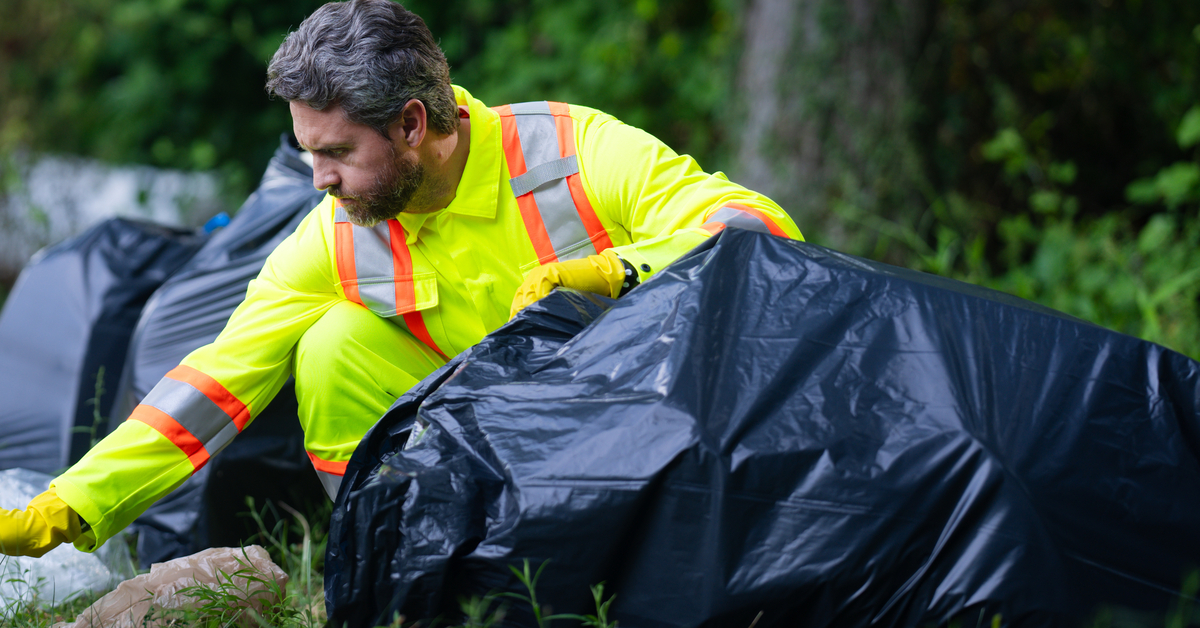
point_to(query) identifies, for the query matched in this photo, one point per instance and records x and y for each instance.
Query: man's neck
(448, 156)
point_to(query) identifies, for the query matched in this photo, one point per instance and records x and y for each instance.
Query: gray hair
(370, 57)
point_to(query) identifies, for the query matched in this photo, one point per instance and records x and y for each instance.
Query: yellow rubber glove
(600, 274)
(47, 522)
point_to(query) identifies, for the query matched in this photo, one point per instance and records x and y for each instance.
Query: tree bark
(826, 114)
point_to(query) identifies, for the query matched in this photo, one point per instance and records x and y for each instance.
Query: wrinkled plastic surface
(245, 577)
(188, 312)
(71, 314)
(770, 427)
(62, 574)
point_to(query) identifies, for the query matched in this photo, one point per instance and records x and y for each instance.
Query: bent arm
(214, 394)
(663, 201)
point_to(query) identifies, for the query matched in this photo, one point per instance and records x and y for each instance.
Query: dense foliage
(174, 83)
(1061, 142)
(1048, 148)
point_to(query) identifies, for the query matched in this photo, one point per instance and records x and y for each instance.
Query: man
(439, 210)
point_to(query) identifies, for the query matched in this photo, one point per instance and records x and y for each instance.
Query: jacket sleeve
(663, 202)
(199, 406)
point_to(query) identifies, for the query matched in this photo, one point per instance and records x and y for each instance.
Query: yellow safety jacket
(543, 182)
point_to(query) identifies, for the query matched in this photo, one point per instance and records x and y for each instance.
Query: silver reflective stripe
(566, 230)
(373, 259)
(373, 264)
(539, 146)
(538, 133)
(738, 218)
(193, 410)
(331, 483)
(537, 106)
(223, 438)
(542, 174)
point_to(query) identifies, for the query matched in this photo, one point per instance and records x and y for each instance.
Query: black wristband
(632, 279)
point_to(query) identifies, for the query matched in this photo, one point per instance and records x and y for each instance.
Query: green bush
(1135, 270)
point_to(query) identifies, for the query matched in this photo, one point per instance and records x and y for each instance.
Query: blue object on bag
(216, 222)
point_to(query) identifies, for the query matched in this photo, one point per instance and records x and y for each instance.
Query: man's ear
(410, 125)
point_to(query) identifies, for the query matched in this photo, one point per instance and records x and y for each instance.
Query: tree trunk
(826, 112)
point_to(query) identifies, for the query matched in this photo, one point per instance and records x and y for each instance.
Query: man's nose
(324, 175)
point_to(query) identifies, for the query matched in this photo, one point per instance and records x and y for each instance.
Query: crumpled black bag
(64, 332)
(771, 428)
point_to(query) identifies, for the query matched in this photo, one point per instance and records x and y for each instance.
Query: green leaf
(1142, 192)
(1177, 182)
(1063, 173)
(1006, 144)
(1189, 128)
(163, 150)
(1045, 201)
(204, 155)
(1156, 233)
(1174, 286)
(646, 9)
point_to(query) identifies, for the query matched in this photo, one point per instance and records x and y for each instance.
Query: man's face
(375, 178)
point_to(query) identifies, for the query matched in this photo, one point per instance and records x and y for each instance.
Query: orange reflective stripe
(380, 251)
(328, 466)
(329, 473)
(538, 235)
(174, 432)
(566, 145)
(766, 220)
(565, 127)
(713, 227)
(530, 215)
(343, 233)
(218, 394)
(511, 142)
(406, 296)
(591, 222)
(416, 324)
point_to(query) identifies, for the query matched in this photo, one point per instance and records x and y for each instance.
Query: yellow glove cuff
(46, 523)
(608, 265)
(598, 274)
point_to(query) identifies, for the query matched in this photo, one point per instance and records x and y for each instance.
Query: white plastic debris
(243, 578)
(64, 573)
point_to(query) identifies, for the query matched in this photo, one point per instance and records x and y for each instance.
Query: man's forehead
(323, 128)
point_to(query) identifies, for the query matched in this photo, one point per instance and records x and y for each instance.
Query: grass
(302, 599)
(299, 550)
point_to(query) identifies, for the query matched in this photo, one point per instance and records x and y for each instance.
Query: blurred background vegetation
(1047, 148)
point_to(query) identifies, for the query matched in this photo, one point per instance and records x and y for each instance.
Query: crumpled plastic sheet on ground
(64, 573)
(247, 574)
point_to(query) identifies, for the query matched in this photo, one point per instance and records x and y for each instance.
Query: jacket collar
(479, 187)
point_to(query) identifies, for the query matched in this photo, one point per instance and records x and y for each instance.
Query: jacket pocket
(393, 296)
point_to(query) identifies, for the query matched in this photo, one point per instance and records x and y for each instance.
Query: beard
(390, 194)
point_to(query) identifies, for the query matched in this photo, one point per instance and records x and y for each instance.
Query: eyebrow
(325, 149)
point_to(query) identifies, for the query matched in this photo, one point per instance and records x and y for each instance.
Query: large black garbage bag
(64, 331)
(770, 427)
(188, 312)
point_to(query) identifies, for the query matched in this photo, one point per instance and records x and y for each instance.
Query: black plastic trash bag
(188, 312)
(768, 427)
(64, 332)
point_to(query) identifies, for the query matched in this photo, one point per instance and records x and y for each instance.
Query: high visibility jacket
(543, 182)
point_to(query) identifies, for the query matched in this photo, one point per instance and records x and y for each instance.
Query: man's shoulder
(581, 113)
